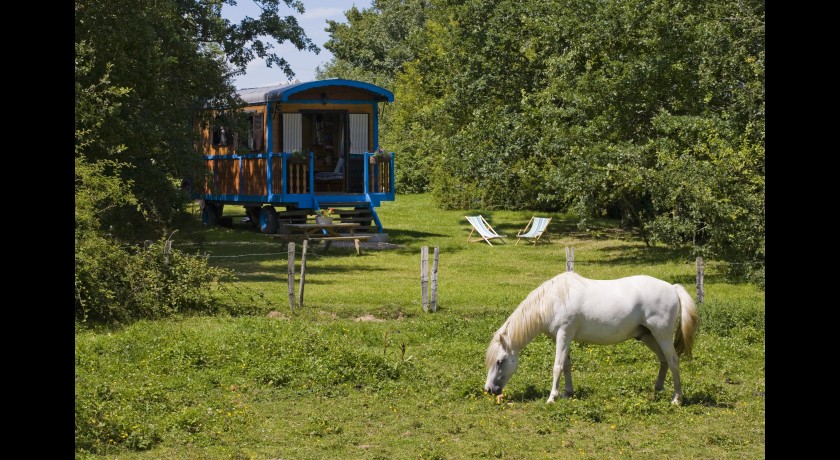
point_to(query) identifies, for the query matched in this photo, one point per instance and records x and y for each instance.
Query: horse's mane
(532, 316)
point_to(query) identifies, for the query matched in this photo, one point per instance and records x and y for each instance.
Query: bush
(116, 282)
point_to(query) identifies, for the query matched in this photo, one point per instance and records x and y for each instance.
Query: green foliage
(650, 111)
(142, 68)
(115, 282)
(733, 318)
(375, 43)
(98, 187)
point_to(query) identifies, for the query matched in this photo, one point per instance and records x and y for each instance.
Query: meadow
(360, 371)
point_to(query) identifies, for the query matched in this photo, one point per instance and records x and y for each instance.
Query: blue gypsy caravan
(307, 146)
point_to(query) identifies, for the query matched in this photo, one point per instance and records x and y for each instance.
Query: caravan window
(250, 140)
(222, 136)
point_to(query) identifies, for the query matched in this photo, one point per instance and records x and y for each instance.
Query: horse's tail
(689, 320)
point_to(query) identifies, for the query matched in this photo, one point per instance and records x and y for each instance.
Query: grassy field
(362, 372)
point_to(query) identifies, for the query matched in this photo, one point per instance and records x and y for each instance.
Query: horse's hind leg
(651, 343)
(674, 364)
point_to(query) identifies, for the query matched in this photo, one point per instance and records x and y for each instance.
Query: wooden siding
(255, 179)
(227, 176)
(276, 175)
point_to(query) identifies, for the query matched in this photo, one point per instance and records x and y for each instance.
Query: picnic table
(326, 232)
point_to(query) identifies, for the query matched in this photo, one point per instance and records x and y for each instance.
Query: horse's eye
(499, 362)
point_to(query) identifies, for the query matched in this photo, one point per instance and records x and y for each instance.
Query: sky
(303, 63)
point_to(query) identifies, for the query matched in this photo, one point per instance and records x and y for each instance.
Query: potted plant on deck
(380, 157)
(298, 157)
(324, 216)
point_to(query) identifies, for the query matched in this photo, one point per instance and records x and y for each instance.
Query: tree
(648, 111)
(141, 70)
(170, 57)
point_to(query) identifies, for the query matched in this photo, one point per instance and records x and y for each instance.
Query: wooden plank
(290, 276)
(287, 236)
(340, 238)
(424, 280)
(302, 271)
(434, 276)
(329, 239)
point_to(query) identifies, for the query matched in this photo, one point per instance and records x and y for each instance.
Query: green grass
(315, 382)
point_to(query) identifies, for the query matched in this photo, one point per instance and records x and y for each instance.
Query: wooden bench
(327, 239)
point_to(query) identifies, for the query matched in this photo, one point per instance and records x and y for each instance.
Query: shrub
(116, 282)
(724, 318)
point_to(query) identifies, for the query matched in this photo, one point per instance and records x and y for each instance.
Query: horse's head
(501, 364)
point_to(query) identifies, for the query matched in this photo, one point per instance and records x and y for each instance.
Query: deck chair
(484, 230)
(337, 174)
(534, 229)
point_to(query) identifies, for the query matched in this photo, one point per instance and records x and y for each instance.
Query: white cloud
(336, 14)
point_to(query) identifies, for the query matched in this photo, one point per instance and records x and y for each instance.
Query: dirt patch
(328, 314)
(277, 314)
(369, 318)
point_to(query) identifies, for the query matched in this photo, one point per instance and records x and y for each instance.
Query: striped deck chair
(484, 230)
(534, 229)
(337, 174)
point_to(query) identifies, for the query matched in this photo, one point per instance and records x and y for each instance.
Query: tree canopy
(142, 68)
(649, 111)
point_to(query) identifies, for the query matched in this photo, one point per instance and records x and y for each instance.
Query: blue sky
(303, 63)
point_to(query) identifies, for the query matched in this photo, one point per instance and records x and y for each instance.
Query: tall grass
(360, 371)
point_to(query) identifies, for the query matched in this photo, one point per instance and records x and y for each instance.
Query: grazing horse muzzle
(493, 389)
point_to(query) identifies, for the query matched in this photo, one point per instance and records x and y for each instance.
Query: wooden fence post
(424, 280)
(699, 279)
(570, 259)
(302, 271)
(433, 306)
(291, 274)
(167, 248)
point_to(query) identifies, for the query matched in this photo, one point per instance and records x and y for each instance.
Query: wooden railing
(255, 175)
(380, 174)
(297, 177)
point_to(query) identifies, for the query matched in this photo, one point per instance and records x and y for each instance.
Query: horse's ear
(504, 341)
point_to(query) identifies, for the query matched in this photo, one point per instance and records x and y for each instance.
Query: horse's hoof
(676, 402)
(550, 399)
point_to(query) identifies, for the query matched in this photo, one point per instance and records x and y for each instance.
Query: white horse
(570, 307)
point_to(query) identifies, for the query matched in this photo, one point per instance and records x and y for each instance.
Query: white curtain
(292, 132)
(359, 133)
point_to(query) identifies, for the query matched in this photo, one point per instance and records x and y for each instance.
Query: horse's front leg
(562, 363)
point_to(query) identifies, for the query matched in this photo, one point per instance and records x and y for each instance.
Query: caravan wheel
(268, 220)
(253, 213)
(210, 215)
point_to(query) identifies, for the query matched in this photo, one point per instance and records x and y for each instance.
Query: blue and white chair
(484, 230)
(535, 228)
